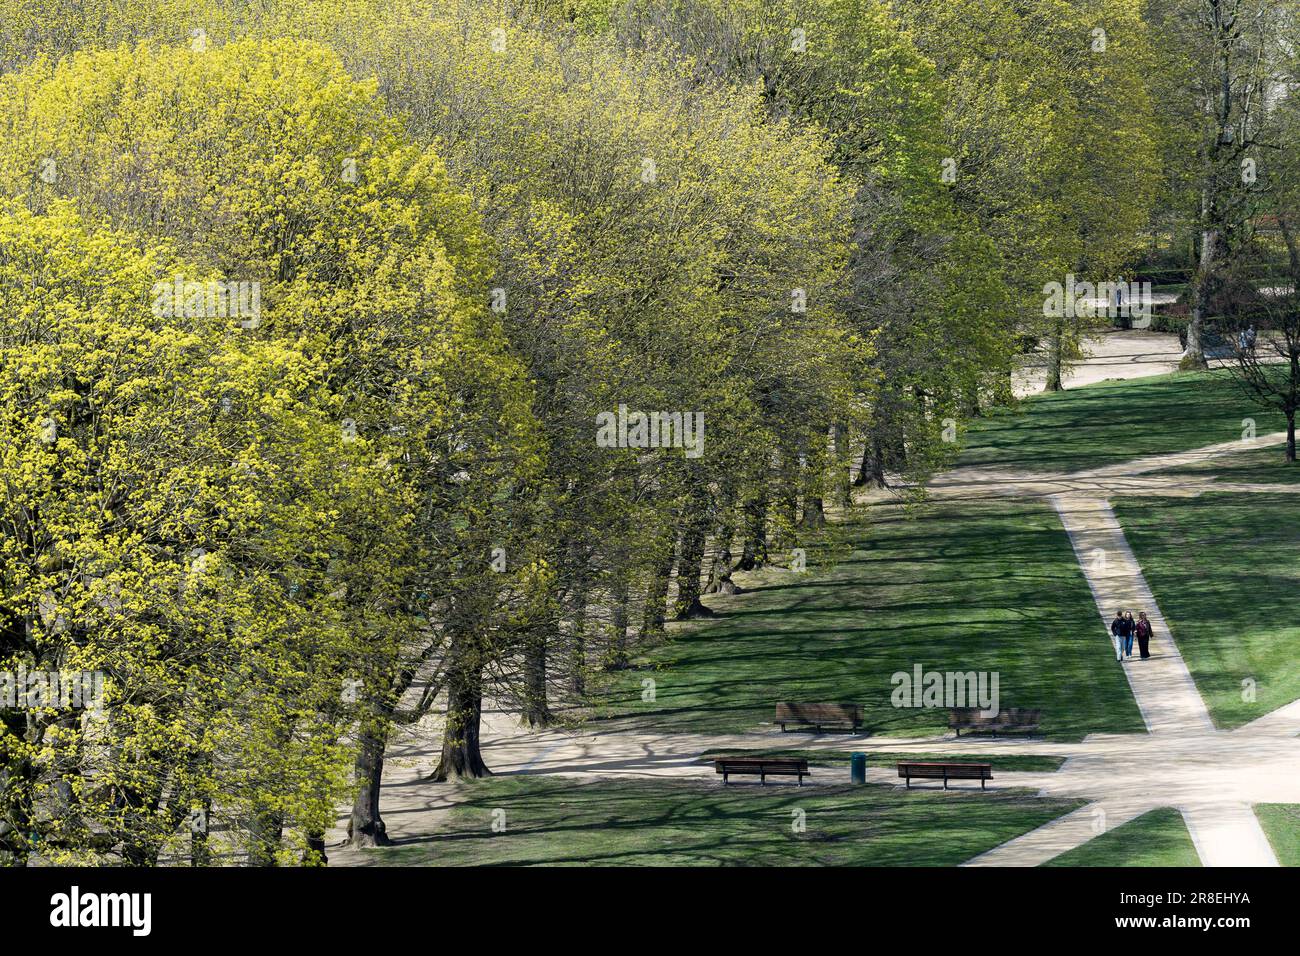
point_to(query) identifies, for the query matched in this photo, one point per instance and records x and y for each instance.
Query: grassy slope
(1281, 821)
(1115, 421)
(1262, 465)
(959, 587)
(564, 822)
(1225, 569)
(1157, 838)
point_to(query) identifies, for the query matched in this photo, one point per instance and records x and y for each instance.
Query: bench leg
(907, 782)
(762, 779)
(982, 782)
(801, 780)
(945, 780)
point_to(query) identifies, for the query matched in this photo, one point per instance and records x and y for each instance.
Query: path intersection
(1212, 776)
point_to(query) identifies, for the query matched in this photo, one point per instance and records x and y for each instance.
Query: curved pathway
(1213, 777)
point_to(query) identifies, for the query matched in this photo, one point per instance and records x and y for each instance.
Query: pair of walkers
(1124, 629)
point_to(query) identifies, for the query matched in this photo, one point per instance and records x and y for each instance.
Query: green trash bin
(858, 768)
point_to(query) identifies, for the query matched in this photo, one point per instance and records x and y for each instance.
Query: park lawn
(1115, 421)
(1157, 838)
(954, 587)
(1281, 822)
(558, 821)
(840, 758)
(1255, 465)
(1225, 570)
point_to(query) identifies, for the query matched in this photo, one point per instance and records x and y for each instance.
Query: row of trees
(1232, 72)
(308, 311)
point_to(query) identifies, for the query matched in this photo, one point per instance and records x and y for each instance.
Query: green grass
(1281, 821)
(1157, 838)
(1261, 465)
(560, 821)
(1115, 421)
(960, 586)
(1225, 570)
(840, 758)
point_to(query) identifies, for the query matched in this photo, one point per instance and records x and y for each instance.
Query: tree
(1257, 305)
(368, 261)
(1218, 53)
(666, 250)
(163, 486)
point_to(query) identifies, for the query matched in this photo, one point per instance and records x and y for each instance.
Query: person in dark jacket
(1130, 631)
(1143, 629)
(1117, 631)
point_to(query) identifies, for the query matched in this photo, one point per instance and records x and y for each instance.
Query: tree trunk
(814, 512)
(578, 659)
(872, 473)
(461, 754)
(754, 553)
(691, 565)
(366, 827)
(1193, 356)
(896, 447)
(787, 492)
(314, 855)
(812, 482)
(265, 832)
(1290, 435)
(841, 490)
(720, 566)
(537, 711)
(140, 845)
(17, 783)
(200, 850)
(1055, 350)
(655, 612)
(619, 597)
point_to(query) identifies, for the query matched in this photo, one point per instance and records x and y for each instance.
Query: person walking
(1117, 631)
(1130, 629)
(1143, 629)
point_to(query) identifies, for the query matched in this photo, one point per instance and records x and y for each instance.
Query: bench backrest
(952, 771)
(971, 717)
(748, 763)
(811, 713)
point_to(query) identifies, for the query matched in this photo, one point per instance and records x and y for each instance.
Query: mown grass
(953, 586)
(1115, 421)
(1253, 465)
(1157, 838)
(1225, 570)
(563, 822)
(1281, 822)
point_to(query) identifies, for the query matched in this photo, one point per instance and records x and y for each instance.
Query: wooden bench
(1013, 718)
(945, 772)
(763, 766)
(839, 716)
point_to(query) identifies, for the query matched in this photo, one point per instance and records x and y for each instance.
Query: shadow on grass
(619, 823)
(986, 586)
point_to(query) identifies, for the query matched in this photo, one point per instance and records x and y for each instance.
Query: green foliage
(283, 533)
(371, 333)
